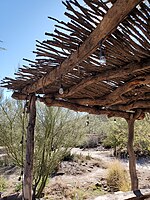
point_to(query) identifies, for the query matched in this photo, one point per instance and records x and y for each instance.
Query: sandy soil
(94, 174)
(84, 175)
(143, 165)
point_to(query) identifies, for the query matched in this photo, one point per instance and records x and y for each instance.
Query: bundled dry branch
(70, 57)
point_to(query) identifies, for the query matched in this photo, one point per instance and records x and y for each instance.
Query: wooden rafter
(109, 23)
(108, 75)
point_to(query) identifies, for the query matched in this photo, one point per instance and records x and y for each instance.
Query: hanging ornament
(102, 55)
(61, 90)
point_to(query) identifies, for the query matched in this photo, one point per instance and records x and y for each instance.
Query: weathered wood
(116, 97)
(90, 86)
(86, 12)
(28, 170)
(134, 105)
(19, 96)
(132, 158)
(121, 8)
(79, 16)
(79, 108)
(108, 75)
(143, 197)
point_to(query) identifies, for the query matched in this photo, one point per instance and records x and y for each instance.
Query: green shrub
(117, 177)
(18, 187)
(89, 141)
(2, 183)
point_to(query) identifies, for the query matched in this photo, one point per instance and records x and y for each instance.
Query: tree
(58, 130)
(94, 129)
(56, 133)
(117, 135)
(12, 125)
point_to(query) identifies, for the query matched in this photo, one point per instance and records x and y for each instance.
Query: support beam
(108, 75)
(122, 103)
(134, 105)
(80, 108)
(28, 170)
(19, 96)
(132, 158)
(121, 8)
(116, 97)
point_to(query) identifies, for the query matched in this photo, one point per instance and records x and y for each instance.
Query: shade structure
(68, 72)
(70, 58)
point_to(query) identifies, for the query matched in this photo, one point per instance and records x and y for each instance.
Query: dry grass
(117, 177)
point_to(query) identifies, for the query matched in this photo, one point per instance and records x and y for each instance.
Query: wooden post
(28, 170)
(132, 158)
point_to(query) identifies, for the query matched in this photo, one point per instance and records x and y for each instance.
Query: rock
(98, 184)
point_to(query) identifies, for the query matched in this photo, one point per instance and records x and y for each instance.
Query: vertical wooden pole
(132, 158)
(28, 170)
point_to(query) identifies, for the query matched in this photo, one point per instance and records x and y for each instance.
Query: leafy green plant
(58, 129)
(3, 184)
(116, 136)
(18, 187)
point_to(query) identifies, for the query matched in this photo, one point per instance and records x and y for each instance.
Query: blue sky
(22, 22)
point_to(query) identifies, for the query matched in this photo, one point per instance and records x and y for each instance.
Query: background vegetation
(57, 131)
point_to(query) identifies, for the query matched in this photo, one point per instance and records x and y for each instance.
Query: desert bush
(117, 177)
(56, 131)
(89, 141)
(2, 183)
(116, 136)
(18, 187)
(79, 158)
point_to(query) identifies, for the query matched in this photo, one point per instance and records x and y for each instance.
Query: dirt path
(143, 170)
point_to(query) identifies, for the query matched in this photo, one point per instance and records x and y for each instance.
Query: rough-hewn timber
(28, 170)
(110, 21)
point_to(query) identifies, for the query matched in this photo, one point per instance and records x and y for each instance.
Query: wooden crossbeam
(80, 108)
(135, 105)
(108, 102)
(111, 20)
(108, 75)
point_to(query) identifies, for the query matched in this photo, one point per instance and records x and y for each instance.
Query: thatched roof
(70, 58)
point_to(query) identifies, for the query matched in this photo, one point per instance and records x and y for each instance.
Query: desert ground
(84, 178)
